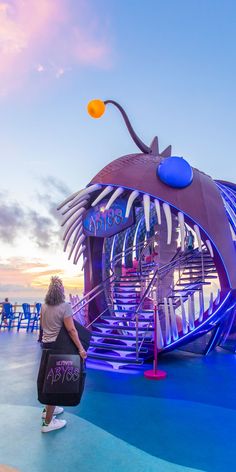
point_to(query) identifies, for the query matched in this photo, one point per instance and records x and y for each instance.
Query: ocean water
(30, 300)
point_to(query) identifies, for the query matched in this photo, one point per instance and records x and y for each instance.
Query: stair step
(193, 283)
(129, 311)
(96, 334)
(195, 278)
(118, 359)
(122, 302)
(180, 290)
(125, 286)
(194, 264)
(122, 277)
(120, 318)
(199, 272)
(174, 304)
(122, 290)
(118, 347)
(206, 257)
(121, 287)
(125, 328)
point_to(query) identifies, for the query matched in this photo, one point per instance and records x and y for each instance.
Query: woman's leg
(49, 413)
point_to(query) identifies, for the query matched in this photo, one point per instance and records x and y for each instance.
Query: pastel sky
(172, 65)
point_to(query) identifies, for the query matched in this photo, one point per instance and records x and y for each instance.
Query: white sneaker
(58, 410)
(53, 425)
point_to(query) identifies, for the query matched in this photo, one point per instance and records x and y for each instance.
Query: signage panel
(102, 223)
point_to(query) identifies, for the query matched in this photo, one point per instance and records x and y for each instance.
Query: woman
(54, 313)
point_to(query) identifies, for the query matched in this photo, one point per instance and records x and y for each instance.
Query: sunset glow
(55, 57)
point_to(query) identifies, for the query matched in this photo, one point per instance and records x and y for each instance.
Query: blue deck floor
(124, 423)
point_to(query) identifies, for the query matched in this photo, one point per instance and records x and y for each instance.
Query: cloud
(53, 184)
(13, 273)
(54, 192)
(28, 280)
(12, 220)
(49, 38)
(15, 221)
(44, 228)
(28, 277)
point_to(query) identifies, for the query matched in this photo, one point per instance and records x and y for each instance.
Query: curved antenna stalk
(143, 147)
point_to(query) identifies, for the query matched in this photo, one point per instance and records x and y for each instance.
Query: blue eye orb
(175, 172)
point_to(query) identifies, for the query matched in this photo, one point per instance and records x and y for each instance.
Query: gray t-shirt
(52, 317)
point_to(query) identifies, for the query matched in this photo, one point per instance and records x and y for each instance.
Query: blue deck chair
(36, 317)
(7, 316)
(24, 317)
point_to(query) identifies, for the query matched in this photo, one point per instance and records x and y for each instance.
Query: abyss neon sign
(102, 223)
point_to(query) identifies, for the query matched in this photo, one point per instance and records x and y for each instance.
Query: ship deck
(124, 423)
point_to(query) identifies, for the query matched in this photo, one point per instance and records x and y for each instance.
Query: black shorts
(48, 345)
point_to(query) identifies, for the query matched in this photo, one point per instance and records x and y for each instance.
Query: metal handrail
(162, 271)
(83, 302)
(93, 289)
(146, 330)
(90, 299)
(201, 277)
(127, 251)
(100, 287)
(149, 242)
(97, 317)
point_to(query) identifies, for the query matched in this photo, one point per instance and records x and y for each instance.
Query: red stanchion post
(155, 374)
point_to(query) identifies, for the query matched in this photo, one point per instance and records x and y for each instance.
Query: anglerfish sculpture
(153, 232)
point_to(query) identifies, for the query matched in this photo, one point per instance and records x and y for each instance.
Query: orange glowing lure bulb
(96, 108)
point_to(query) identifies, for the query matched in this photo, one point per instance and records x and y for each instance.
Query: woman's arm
(72, 331)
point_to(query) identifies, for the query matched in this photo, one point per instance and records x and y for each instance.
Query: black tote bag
(64, 342)
(62, 373)
(61, 378)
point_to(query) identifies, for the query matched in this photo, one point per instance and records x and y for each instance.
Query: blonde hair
(55, 294)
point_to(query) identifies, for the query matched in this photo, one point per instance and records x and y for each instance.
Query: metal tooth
(146, 204)
(115, 195)
(182, 229)
(69, 236)
(159, 337)
(103, 194)
(193, 306)
(190, 314)
(174, 328)
(78, 253)
(208, 243)
(158, 210)
(217, 300)
(130, 202)
(201, 306)
(68, 199)
(86, 191)
(184, 321)
(81, 239)
(76, 206)
(70, 231)
(84, 263)
(78, 233)
(77, 212)
(167, 212)
(197, 231)
(210, 309)
(167, 322)
(79, 243)
(76, 236)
